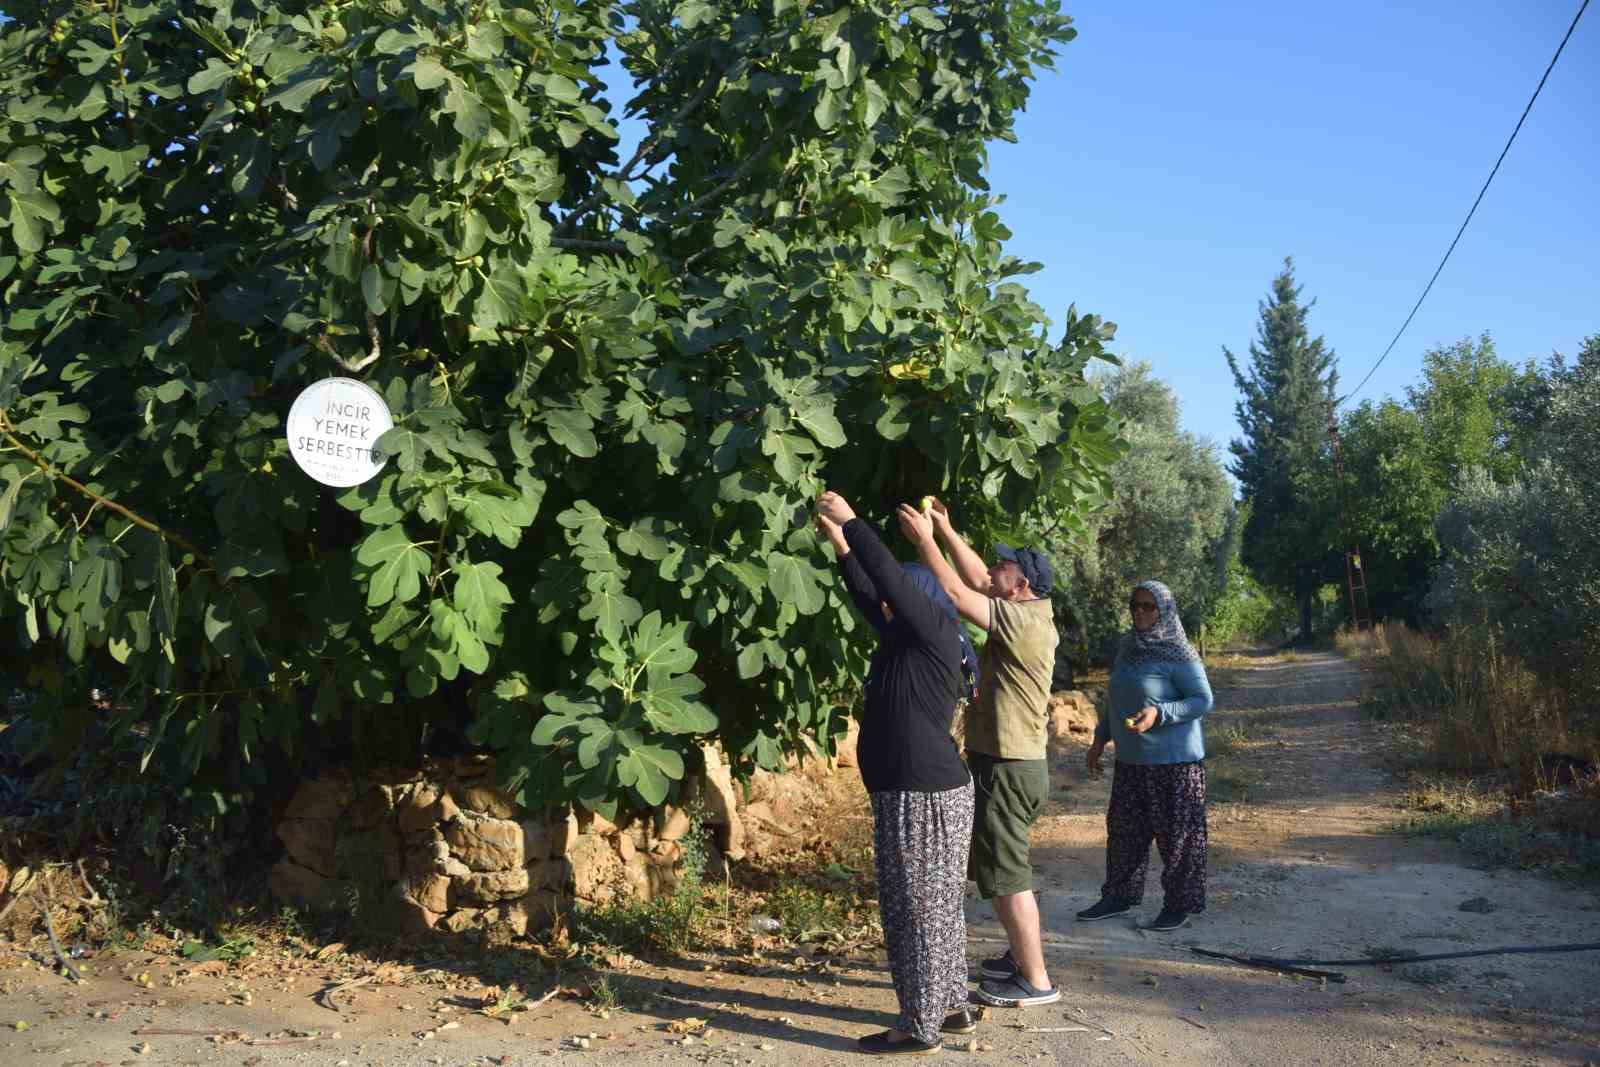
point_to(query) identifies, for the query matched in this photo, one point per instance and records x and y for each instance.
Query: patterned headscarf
(1163, 642)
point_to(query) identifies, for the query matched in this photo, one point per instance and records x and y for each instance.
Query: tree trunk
(1304, 596)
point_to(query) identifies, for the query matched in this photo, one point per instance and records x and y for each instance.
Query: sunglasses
(1142, 605)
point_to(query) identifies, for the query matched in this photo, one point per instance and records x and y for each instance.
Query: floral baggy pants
(920, 843)
(1164, 802)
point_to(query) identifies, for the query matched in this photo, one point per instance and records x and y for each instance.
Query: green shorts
(1010, 794)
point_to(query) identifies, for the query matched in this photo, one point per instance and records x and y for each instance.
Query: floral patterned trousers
(1164, 802)
(920, 843)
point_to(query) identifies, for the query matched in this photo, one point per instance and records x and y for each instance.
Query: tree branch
(618, 248)
(578, 244)
(355, 366)
(649, 144)
(739, 172)
(377, 345)
(50, 928)
(9, 432)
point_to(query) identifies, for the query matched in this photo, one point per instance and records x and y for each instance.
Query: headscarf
(925, 581)
(1165, 642)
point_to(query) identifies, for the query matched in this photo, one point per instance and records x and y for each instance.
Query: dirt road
(1301, 867)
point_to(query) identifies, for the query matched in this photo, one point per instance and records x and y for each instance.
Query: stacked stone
(442, 849)
(1072, 714)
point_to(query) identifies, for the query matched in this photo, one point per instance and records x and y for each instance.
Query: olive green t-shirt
(1010, 716)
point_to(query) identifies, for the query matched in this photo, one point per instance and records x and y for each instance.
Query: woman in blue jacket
(1158, 693)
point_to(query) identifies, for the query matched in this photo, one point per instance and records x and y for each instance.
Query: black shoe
(882, 1044)
(964, 1021)
(1001, 967)
(1169, 920)
(1015, 992)
(1105, 909)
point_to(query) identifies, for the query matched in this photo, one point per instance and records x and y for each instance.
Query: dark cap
(1035, 567)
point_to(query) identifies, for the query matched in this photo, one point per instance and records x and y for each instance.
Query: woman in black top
(920, 790)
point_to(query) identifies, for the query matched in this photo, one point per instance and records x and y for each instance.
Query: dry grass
(1453, 797)
(1559, 834)
(1230, 740)
(1247, 657)
(1356, 644)
(1481, 710)
(1505, 772)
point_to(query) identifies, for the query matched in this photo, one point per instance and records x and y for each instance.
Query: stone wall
(443, 849)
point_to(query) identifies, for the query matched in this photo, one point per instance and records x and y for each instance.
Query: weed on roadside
(808, 914)
(671, 922)
(1357, 644)
(1492, 741)
(289, 923)
(1228, 740)
(1464, 797)
(1227, 782)
(505, 1000)
(1479, 710)
(230, 949)
(1266, 720)
(604, 992)
(1485, 821)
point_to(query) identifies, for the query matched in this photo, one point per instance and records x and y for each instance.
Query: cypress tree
(1282, 461)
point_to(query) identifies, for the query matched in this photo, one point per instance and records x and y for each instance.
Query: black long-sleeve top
(905, 743)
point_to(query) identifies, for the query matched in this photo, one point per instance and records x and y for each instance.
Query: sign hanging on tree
(332, 429)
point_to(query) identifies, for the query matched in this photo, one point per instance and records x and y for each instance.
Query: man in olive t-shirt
(1010, 718)
(1005, 735)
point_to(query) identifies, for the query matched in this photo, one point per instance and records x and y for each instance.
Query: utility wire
(1474, 208)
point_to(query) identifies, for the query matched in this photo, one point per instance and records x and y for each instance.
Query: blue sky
(1181, 150)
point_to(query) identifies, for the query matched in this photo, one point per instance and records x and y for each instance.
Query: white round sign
(332, 429)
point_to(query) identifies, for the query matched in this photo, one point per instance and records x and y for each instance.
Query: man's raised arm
(968, 564)
(972, 604)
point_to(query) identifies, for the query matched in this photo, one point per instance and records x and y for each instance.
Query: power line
(1475, 204)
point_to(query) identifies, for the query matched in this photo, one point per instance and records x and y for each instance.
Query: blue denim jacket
(1179, 691)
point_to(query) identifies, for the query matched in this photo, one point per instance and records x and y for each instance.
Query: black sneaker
(1001, 967)
(1105, 909)
(1015, 992)
(882, 1044)
(1169, 920)
(964, 1021)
